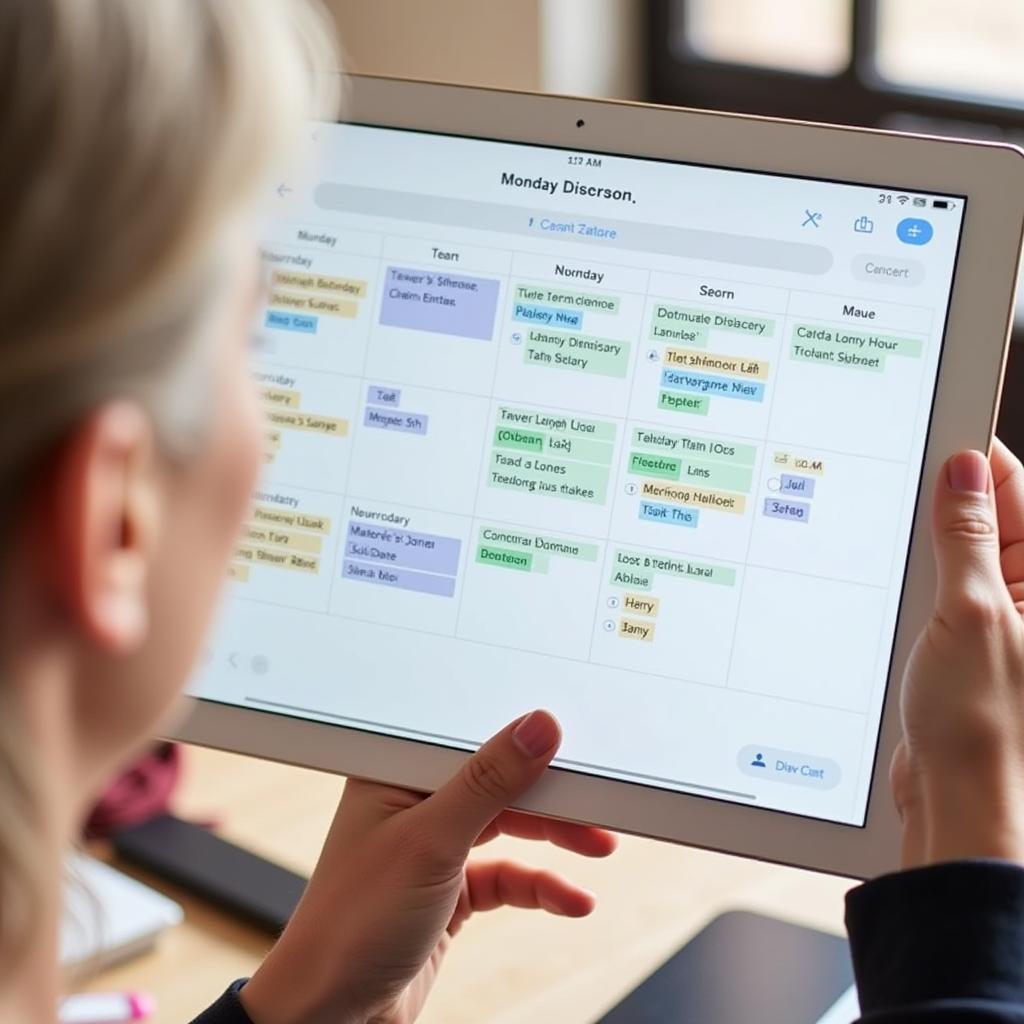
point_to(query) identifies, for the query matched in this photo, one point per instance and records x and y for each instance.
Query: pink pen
(105, 1008)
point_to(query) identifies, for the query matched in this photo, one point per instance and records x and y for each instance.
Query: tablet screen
(633, 440)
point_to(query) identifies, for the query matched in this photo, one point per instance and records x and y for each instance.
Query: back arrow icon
(283, 190)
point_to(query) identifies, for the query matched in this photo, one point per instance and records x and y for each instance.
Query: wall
(483, 42)
(585, 47)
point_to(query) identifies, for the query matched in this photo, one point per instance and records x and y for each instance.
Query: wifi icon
(903, 200)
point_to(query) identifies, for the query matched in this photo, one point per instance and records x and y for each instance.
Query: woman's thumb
(501, 771)
(966, 537)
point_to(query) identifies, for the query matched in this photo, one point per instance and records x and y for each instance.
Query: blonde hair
(133, 134)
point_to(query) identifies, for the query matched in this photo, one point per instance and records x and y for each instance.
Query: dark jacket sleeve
(227, 1010)
(940, 944)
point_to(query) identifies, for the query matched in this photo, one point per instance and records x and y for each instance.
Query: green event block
(631, 579)
(558, 547)
(505, 558)
(699, 473)
(669, 317)
(867, 343)
(827, 355)
(552, 295)
(556, 423)
(518, 440)
(661, 466)
(646, 563)
(677, 401)
(717, 449)
(583, 353)
(554, 478)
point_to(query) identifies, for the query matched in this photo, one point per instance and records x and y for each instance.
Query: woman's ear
(101, 507)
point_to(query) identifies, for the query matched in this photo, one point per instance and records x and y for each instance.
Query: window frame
(858, 94)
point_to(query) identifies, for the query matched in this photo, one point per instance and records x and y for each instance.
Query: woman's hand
(392, 887)
(958, 773)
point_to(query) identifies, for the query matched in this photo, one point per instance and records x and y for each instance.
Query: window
(931, 44)
(940, 66)
(925, 65)
(752, 32)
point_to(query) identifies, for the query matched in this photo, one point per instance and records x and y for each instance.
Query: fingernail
(536, 734)
(968, 471)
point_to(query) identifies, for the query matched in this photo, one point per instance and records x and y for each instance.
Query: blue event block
(707, 384)
(654, 512)
(377, 395)
(794, 511)
(802, 485)
(292, 322)
(548, 316)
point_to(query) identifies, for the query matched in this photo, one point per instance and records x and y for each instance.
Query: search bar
(692, 243)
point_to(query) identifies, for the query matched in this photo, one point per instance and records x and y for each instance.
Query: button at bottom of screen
(788, 766)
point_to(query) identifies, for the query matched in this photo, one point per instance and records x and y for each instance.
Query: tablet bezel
(964, 414)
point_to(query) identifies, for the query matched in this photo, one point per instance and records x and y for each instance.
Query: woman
(134, 138)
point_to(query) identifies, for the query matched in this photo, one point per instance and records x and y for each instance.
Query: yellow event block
(281, 396)
(640, 604)
(712, 362)
(238, 573)
(799, 463)
(346, 286)
(282, 538)
(308, 521)
(277, 559)
(328, 425)
(270, 514)
(634, 629)
(321, 305)
(681, 494)
(279, 517)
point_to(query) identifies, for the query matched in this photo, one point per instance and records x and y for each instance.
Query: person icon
(758, 762)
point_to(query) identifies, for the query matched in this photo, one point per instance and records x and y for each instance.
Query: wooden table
(508, 967)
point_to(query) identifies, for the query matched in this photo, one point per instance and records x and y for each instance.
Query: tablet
(628, 412)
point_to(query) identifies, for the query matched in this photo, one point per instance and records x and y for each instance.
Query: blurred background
(951, 67)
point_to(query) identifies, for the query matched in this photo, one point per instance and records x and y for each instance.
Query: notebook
(107, 916)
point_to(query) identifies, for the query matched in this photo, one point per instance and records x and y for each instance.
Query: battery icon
(942, 204)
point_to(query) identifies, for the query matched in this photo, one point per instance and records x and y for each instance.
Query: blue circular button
(914, 231)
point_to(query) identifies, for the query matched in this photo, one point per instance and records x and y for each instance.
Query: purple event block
(377, 395)
(389, 419)
(794, 511)
(428, 300)
(403, 579)
(372, 543)
(802, 485)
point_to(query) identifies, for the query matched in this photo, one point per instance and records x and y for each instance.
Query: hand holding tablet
(623, 412)
(960, 765)
(394, 869)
